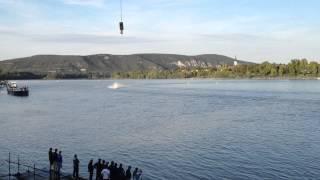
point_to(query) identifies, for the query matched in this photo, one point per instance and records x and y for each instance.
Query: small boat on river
(13, 89)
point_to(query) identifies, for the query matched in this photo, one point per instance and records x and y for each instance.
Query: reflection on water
(176, 129)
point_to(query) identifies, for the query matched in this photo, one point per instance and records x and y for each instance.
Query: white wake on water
(116, 85)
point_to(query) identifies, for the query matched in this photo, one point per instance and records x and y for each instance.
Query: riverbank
(296, 69)
(197, 78)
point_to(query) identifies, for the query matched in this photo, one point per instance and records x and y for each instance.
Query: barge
(14, 90)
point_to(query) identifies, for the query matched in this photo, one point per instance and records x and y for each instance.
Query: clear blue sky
(255, 30)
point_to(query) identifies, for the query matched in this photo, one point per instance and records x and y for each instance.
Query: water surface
(172, 129)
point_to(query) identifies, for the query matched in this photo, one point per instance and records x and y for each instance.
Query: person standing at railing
(121, 172)
(60, 160)
(134, 174)
(90, 169)
(55, 162)
(98, 167)
(105, 173)
(76, 163)
(112, 170)
(137, 174)
(128, 173)
(50, 154)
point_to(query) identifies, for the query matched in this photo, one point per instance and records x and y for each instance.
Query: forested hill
(106, 64)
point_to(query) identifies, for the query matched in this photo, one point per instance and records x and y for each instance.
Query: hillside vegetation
(150, 66)
(104, 65)
(296, 69)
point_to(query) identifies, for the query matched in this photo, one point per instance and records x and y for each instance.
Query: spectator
(76, 163)
(98, 168)
(90, 169)
(139, 174)
(106, 166)
(105, 174)
(112, 170)
(60, 160)
(128, 173)
(55, 161)
(50, 154)
(121, 172)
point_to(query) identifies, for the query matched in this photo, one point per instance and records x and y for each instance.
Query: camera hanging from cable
(121, 25)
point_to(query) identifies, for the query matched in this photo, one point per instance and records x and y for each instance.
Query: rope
(121, 9)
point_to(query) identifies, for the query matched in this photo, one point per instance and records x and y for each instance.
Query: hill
(106, 64)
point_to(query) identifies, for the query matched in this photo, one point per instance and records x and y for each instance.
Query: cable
(121, 10)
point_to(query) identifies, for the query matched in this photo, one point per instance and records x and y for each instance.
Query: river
(171, 129)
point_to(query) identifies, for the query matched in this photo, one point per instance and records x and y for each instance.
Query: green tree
(313, 68)
(265, 68)
(293, 66)
(282, 70)
(274, 71)
(303, 67)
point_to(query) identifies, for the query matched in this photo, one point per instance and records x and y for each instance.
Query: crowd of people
(111, 171)
(102, 169)
(55, 160)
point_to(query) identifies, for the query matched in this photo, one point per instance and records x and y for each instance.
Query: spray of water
(116, 85)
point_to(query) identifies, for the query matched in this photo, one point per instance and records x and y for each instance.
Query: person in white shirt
(105, 174)
(137, 174)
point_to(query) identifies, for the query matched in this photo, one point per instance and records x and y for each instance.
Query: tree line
(297, 68)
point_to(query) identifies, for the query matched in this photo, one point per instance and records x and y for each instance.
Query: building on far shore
(235, 62)
(83, 70)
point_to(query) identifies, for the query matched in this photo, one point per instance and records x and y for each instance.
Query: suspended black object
(121, 26)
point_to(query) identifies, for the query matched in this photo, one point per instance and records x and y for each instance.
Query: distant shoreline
(154, 66)
(209, 78)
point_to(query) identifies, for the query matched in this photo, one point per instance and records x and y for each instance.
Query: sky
(252, 30)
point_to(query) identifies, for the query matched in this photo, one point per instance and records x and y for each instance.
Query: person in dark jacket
(111, 168)
(98, 167)
(135, 174)
(106, 166)
(90, 169)
(59, 162)
(55, 161)
(112, 164)
(50, 154)
(128, 173)
(115, 171)
(76, 163)
(122, 174)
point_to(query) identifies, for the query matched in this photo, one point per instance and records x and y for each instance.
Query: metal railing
(17, 169)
